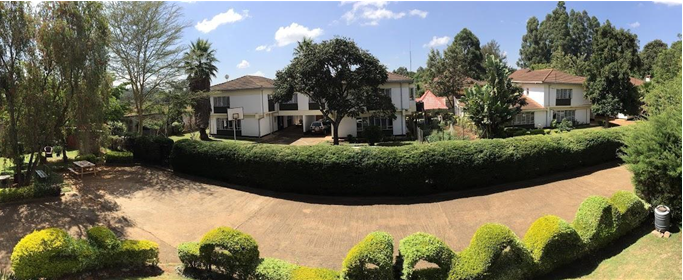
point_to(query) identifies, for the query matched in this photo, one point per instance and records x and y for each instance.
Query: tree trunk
(65, 158)
(140, 120)
(335, 133)
(203, 135)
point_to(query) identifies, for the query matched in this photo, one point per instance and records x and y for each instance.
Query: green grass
(639, 255)
(165, 276)
(194, 135)
(6, 164)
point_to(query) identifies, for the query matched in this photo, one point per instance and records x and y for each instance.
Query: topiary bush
(552, 242)
(233, 252)
(596, 222)
(274, 269)
(152, 150)
(188, 253)
(114, 157)
(308, 273)
(138, 253)
(48, 253)
(495, 252)
(423, 246)
(404, 170)
(632, 209)
(103, 238)
(376, 248)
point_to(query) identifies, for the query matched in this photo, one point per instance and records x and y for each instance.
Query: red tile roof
(545, 76)
(431, 101)
(245, 82)
(636, 81)
(531, 105)
(396, 78)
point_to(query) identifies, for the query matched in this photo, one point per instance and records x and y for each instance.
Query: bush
(404, 170)
(423, 246)
(117, 143)
(48, 253)
(274, 269)
(152, 150)
(177, 128)
(50, 187)
(372, 134)
(350, 139)
(89, 157)
(308, 273)
(103, 238)
(495, 252)
(16, 194)
(237, 253)
(538, 131)
(188, 253)
(376, 248)
(552, 242)
(633, 211)
(114, 157)
(596, 222)
(138, 253)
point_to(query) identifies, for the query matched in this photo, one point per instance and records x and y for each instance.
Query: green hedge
(309, 273)
(487, 257)
(152, 150)
(406, 170)
(596, 222)
(426, 247)
(237, 255)
(552, 243)
(376, 248)
(632, 209)
(188, 253)
(274, 269)
(114, 157)
(52, 253)
(50, 187)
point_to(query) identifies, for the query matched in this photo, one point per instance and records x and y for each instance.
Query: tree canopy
(467, 44)
(649, 56)
(200, 65)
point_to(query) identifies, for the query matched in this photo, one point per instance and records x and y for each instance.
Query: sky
(258, 38)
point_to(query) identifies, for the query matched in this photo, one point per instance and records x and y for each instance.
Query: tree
(403, 72)
(668, 63)
(608, 83)
(200, 65)
(172, 103)
(467, 44)
(556, 29)
(446, 74)
(569, 63)
(145, 49)
(493, 48)
(649, 56)
(534, 48)
(496, 103)
(337, 75)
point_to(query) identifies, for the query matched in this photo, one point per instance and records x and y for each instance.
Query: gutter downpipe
(402, 116)
(258, 121)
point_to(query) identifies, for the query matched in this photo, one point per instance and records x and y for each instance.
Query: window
(384, 123)
(525, 118)
(386, 91)
(293, 100)
(566, 114)
(565, 93)
(224, 124)
(221, 101)
(412, 93)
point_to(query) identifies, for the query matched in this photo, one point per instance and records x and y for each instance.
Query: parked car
(319, 127)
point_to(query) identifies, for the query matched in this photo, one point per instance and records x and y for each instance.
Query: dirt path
(146, 203)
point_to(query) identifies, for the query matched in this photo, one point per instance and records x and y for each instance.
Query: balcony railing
(563, 102)
(289, 106)
(220, 109)
(313, 106)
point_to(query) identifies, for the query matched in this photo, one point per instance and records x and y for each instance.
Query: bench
(41, 174)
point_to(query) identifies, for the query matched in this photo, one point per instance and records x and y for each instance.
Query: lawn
(195, 135)
(6, 164)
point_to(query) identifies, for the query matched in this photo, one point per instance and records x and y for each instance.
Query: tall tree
(340, 77)
(492, 105)
(668, 63)
(556, 28)
(467, 44)
(446, 74)
(145, 47)
(535, 49)
(608, 84)
(649, 56)
(200, 65)
(403, 71)
(493, 48)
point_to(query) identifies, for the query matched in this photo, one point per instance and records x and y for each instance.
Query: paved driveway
(140, 202)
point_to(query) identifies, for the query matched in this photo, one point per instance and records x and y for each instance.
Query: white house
(551, 95)
(262, 116)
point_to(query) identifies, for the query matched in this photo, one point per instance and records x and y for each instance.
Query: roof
(552, 76)
(531, 105)
(396, 78)
(245, 82)
(636, 81)
(431, 101)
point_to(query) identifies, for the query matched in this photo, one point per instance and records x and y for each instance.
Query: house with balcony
(262, 116)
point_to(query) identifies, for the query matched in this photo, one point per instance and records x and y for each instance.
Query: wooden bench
(41, 174)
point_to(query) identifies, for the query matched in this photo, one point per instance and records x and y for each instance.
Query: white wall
(347, 126)
(577, 94)
(250, 127)
(265, 125)
(536, 92)
(254, 101)
(540, 119)
(582, 115)
(399, 124)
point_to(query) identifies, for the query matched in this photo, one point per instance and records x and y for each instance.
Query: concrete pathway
(146, 203)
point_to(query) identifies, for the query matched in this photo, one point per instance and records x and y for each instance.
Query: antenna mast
(410, 54)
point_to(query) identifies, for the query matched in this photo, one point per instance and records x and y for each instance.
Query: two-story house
(551, 95)
(262, 116)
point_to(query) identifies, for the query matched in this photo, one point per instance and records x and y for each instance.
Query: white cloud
(372, 12)
(294, 33)
(257, 73)
(634, 25)
(436, 42)
(206, 26)
(418, 13)
(243, 64)
(669, 3)
(263, 48)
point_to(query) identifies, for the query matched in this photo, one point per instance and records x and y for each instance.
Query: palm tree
(200, 66)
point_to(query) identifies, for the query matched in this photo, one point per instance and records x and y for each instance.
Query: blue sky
(259, 37)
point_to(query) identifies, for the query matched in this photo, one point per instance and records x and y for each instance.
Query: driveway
(293, 135)
(146, 203)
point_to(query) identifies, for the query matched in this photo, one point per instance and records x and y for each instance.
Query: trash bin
(662, 218)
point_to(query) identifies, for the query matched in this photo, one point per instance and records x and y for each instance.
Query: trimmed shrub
(103, 238)
(632, 209)
(495, 252)
(89, 157)
(48, 253)
(309, 273)
(233, 252)
(423, 246)
(274, 269)
(552, 242)
(404, 170)
(376, 248)
(16, 194)
(188, 253)
(114, 157)
(152, 150)
(596, 222)
(138, 253)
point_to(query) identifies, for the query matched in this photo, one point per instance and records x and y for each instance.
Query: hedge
(188, 253)
(406, 170)
(552, 243)
(632, 209)
(487, 257)
(376, 248)
(274, 269)
(237, 254)
(53, 253)
(114, 157)
(152, 150)
(596, 221)
(426, 247)
(50, 187)
(308, 273)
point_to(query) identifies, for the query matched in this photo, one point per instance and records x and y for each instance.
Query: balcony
(563, 102)
(220, 109)
(271, 105)
(289, 106)
(313, 106)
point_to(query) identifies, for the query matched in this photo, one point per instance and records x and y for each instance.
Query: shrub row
(494, 252)
(116, 157)
(52, 253)
(408, 170)
(50, 187)
(152, 150)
